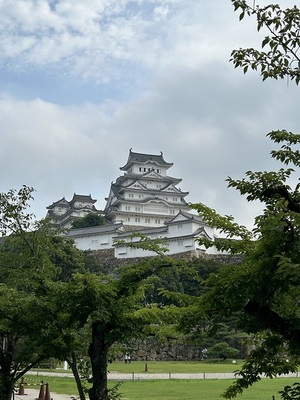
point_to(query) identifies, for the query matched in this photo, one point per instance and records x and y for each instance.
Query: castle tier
(145, 196)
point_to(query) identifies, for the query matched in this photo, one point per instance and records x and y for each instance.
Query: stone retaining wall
(108, 261)
(151, 350)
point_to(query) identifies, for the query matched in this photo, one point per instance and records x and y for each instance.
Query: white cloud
(102, 40)
(166, 63)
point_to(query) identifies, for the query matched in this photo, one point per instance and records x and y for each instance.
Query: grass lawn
(170, 389)
(156, 367)
(198, 390)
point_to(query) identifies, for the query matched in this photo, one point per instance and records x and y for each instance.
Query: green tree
(41, 271)
(278, 56)
(91, 219)
(32, 260)
(263, 291)
(193, 320)
(222, 350)
(117, 314)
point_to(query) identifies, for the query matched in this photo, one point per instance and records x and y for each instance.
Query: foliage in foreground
(33, 261)
(91, 219)
(264, 292)
(278, 56)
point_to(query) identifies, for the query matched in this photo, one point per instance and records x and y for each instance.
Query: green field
(198, 390)
(176, 389)
(170, 389)
(155, 367)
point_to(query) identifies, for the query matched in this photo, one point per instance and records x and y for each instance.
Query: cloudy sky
(82, 82)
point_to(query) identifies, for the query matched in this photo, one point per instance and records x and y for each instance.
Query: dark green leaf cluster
(222, 350)
(278, 57)
(14, 217)
(91, 219)
(291, 392)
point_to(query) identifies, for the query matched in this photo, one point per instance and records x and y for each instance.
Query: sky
(82, 82)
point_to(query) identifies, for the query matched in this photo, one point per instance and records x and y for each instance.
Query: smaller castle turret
(62, 212)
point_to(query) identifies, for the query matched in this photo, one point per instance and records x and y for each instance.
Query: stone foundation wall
(154, 351)
(108, 261)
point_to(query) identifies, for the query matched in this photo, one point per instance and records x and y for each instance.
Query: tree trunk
(73, 365)
(6, 387)
(98, 355)
(7, 380)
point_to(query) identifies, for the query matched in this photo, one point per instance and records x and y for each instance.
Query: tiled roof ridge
(144, 157)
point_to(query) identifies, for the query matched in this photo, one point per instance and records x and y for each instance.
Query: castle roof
(144, 231)
(76, 197)
(145, 158)
(92, 230)
(60, 203)
(83, 198)
(184, 216)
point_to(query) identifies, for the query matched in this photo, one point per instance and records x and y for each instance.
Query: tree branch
(269, 319)
(282, 191)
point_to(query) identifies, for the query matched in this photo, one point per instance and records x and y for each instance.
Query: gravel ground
(32, 394)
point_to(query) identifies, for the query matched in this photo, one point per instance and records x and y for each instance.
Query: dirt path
(32, 394)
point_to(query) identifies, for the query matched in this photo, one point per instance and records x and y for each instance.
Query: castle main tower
(145, 196)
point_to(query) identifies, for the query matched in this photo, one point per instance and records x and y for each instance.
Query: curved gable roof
(144, 158)
(83, 198)
(184, 216)
(59, 203)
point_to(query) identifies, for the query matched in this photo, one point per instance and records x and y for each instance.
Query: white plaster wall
(94, 242)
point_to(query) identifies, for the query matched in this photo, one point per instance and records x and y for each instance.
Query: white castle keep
(144, 200)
